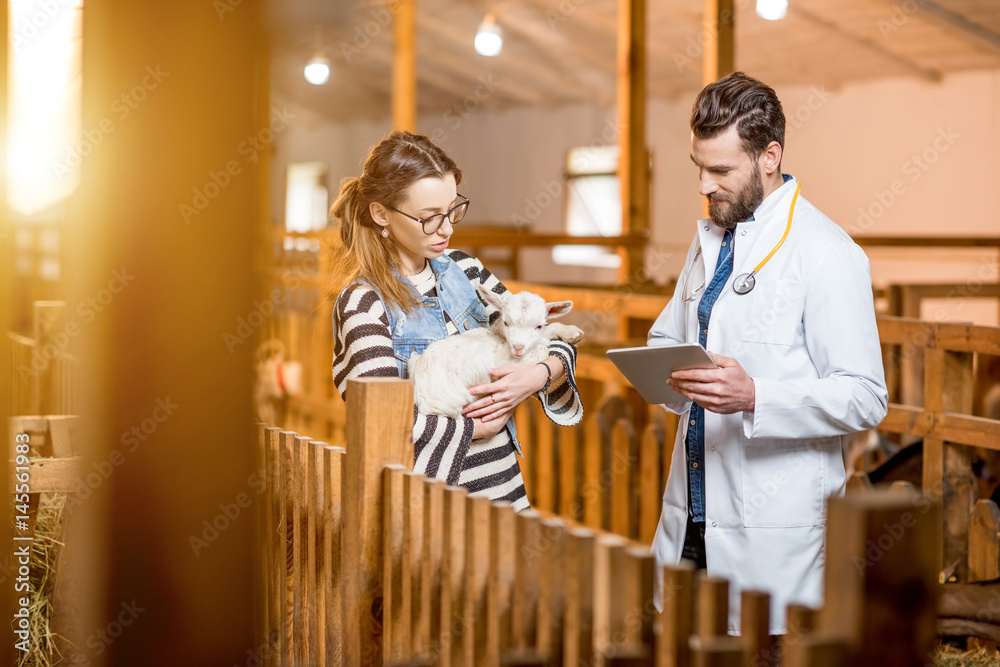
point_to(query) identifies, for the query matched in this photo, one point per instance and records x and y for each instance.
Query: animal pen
(595, 491)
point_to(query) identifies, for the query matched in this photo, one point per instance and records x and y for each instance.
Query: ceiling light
(772, 10)
(317, 72)
(489, 37)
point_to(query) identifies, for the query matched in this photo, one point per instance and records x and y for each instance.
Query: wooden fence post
(620, 468)
(502, 566)
(396, 611)
(881, 577)
(713, 607)
(948, 468)
(379, 433)
(592, 488)
(333, 513)
(551, 590)
(984, 542)
(453, 579)
(414, 555)
(524, 602)
(755, 623)
(429, 626)
(477, 573)
(673, 648)
(578, 630)
(291, 556)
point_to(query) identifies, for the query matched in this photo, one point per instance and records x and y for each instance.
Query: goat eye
(539, 326)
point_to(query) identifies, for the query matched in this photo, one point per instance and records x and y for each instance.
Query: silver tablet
(648, 368)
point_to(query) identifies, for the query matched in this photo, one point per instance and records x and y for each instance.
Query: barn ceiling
(563, 51)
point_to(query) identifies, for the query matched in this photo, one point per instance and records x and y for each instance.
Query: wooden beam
(404, 68)
(930, 75)
(720, 40)
(633, 160)
(961, 26)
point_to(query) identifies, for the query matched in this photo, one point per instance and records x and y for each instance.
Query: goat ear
(557, 309)
(491, 297)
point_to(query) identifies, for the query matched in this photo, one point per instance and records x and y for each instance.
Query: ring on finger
(493, 396)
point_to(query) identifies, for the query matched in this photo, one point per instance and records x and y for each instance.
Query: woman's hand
(516, 382)
(488, 429)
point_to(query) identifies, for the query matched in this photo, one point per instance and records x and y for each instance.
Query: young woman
(399, 288)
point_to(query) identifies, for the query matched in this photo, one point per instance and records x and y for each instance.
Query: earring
(385, 233)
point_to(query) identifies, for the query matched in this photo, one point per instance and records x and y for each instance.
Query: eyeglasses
(433, 223)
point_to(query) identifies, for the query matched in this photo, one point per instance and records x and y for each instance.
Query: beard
(741, 205)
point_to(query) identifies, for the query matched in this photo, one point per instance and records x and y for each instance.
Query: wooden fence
(366, 563)
(42, 371)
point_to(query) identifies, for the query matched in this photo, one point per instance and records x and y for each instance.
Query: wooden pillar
(7, 302)
(379, 433)
(633, 161)
(720, 34)
(169, 95)
(404, 67)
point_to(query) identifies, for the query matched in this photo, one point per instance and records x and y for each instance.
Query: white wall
(890, 157)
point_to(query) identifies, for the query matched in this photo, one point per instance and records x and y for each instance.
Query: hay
(948, 656)
(44, 555)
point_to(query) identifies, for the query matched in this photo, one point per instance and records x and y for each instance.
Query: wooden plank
(270, 543)
(396, 611)
(645, 613)
(544, 475)
(308, 491)
(333, 465)
(592, 487)
(319, 518)
(502, 576)
(404, 67)
(50, 475)
(524, 597)
(605, 580)
(878, 544)
(578, 629)
(651, 502)
(379, 432)
(631, 303)
(431, 569)
(292, 522)
(633, 160)
(984, 542)
(453, 624)
(626, 599)
(569, 487)
(477, 574)
(283, 538)
(755, 623)
(413, 556)
(817, 651)
(799, 622)
(620, 479)
(713, 607)
(675, 621)
(551, 589)
(721, 651)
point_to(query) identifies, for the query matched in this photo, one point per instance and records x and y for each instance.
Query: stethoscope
(745, 282)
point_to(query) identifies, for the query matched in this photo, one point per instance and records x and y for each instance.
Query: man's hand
(723, 390)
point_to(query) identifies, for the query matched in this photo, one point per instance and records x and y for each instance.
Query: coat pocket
(784, 484)
(775, 312)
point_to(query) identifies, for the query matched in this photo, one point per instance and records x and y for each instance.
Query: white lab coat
(806, 334)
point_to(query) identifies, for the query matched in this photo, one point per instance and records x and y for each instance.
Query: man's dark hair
(750, 104)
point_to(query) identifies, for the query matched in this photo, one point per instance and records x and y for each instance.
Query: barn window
(593, 205)
(306, 199)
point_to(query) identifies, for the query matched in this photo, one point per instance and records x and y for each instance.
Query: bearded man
(782, 299)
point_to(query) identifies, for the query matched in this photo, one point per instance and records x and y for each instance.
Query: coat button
(713, 449)
(467, 326)
(695, 464)
(692, 422)
(714, 524)
(744, 233)
(706, 228)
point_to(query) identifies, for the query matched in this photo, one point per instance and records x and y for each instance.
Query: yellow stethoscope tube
(746, 281)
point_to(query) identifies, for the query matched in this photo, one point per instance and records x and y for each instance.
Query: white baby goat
(447, 368)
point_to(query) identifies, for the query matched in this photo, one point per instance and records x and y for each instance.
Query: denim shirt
(696, 428)
(413, 332)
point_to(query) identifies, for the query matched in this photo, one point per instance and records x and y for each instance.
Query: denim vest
(414, 331)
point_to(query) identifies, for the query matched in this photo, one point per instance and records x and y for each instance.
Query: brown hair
(737, 98)
(392, 166)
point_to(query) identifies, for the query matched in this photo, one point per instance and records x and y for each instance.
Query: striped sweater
(443, 447)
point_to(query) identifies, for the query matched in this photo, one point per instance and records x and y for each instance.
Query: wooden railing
(366, 563)
(42, 371)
